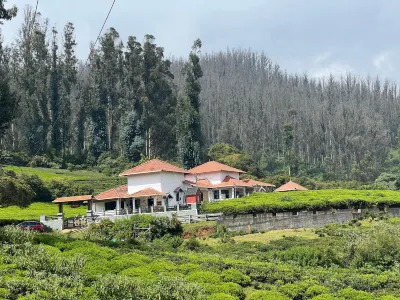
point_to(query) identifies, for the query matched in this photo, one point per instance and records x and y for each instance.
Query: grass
(47, 174)
(304, 200)
(99, 181)
(35, 210)
(266, 237)
(274, 235)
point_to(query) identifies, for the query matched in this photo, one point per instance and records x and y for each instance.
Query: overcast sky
(314, 36)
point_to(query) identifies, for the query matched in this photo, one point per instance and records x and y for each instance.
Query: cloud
(322, 57)
(382, 61)
(336, 69)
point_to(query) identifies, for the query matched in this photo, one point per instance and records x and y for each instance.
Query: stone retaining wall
(301, 219)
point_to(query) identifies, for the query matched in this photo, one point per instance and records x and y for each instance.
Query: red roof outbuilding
(290, 186)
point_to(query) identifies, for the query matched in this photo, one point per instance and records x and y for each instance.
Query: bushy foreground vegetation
(304, 200)
(348, 262)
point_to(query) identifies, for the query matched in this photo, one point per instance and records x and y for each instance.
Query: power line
(98, 37)
(90, 53)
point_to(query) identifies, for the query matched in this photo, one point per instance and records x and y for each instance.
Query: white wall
(98, 206)
(141, 181)
(169, 182)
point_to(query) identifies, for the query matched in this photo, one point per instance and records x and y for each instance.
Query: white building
(159, 186)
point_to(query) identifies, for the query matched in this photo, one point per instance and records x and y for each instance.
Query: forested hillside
(129, 100)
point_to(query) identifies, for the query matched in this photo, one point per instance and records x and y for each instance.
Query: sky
(317, 37)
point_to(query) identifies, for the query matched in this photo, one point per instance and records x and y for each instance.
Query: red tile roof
(291, 186)
(120, 192)
(147, 192)
(213, 166)
(227, 182)
(73, 199)
(255, 182)
(232, 182)
(152, 166)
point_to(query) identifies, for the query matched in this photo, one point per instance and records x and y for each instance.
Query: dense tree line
(129, 100)
(339, 127)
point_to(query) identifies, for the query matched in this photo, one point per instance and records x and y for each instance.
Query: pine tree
(189, 134)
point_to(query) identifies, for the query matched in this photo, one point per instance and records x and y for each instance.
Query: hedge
(304, 200)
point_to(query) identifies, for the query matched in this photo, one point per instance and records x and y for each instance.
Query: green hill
(99, 181)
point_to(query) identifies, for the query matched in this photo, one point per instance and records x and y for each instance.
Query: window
(110, 205)
(216, 195)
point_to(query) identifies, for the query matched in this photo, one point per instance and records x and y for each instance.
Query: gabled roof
(255, 182)
(202, 183)
(213, 166)
(73, 199)
(153, 166)
(232, 182)
(120, 192)
(147, 192)
(291, 186)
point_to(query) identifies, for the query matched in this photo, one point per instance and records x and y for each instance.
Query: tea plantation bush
(304, 200)
(90, 266)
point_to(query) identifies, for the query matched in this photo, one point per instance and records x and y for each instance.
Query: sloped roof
(147, 192)
(120, 192)
(73, 199)
(152, 166)
(213, 166)
(291, 186)
(232, 182)
(255, 182)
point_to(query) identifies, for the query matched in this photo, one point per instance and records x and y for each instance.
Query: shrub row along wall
(302, 219)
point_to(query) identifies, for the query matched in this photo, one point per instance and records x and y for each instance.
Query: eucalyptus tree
(189, 135)
(7, 98)
(158, 102)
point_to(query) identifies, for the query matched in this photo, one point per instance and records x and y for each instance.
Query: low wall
(54, 224)
(301, 219)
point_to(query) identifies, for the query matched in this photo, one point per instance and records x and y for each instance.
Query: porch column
(244, 191)
(220, 194)
(126, 205)
(118, 209)
(233, 193)
(60, 208)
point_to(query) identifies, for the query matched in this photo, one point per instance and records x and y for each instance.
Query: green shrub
(229, 288)
(235, 276)
(15, 235)
(42, 193)
(316, 290)
(204, 277)
(352, 294)
(326, 297)
(221, 296)
(379, 247)
(293, 291)
(192, 244)
(263, 295)
(14, 191)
